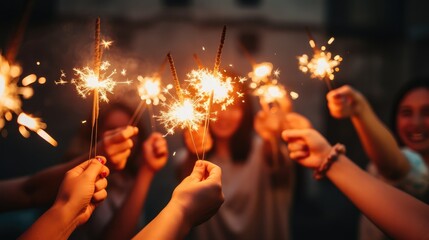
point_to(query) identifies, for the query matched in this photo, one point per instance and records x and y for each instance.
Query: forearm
(169, 224)
(398, 214)
(55, 224)
(379, 144)
(124, 222)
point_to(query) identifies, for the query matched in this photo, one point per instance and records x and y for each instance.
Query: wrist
(177, 212)
(65, 215)
(332, 156)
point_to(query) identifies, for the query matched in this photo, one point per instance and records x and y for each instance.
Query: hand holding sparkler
(346, 102)
(116, 146)
(155, 151)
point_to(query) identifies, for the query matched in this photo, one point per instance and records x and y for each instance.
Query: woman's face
(412, 120)
(227, 121)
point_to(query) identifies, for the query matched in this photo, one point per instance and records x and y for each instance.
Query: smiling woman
(405, 167)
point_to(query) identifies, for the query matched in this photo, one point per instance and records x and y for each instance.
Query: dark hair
(241, 140)
(422, 82)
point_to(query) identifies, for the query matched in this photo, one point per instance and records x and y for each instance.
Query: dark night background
(384, 43)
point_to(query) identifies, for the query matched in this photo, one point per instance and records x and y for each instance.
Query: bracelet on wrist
(335, 152)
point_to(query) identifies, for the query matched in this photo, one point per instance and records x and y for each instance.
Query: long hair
(241, 140)
(422, 82)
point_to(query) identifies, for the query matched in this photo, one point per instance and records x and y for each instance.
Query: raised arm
(82, 189)
(123, 224)
(378, 142)
(41, 188)
(396, 213)
(194, 201)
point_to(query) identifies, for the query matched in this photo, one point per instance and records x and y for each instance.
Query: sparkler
(150, 92)
(10, 100)
(96, 80)
(322, 65)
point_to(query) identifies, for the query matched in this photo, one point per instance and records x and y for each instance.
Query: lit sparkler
(97, 81)
(322, 65)
(10, 101)
(36, 125)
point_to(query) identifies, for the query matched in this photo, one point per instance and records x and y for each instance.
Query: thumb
(198, 173)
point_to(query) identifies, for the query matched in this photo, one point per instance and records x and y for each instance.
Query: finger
(120, 158)
(100, 184)
(93, 169)
(121, 135)
(294, 133)
(99, 196)
(199, 171)
(112, 149)
(298, 155)
(294, 146)
(214, 172)
(105, 171)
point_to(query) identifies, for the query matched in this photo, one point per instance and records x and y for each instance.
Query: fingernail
(100, 159)
(103, 174)
(198, 163)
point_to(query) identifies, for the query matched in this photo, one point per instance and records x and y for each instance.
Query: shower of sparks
(150, 89)
(10, 101)
(205, 82)
(181, 114)
(35, 125)
(86, 80)
(270, 92)
(321, 65)
(265, 83)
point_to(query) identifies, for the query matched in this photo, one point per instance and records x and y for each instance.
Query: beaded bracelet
(335, 152)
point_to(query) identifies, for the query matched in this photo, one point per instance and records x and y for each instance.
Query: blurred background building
(384, 43)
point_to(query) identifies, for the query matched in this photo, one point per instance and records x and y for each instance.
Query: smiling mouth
(417, 137)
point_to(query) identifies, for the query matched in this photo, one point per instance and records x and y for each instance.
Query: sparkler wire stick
(197, 61)
(137, 114)
(179, 93)
(95, 105)
(216, 69)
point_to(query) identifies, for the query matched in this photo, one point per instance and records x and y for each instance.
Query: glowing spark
(83, 121)
(124, 72)
(181, 114)
(294, 95)
(38, 63)
(10, 101)
(87, 81)
(205, 82)
(106, 44)
(321, 65)
(271, 92)
(150, 89)
(203, 48)
(36, 125)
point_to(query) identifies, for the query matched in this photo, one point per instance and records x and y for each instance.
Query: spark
(181, 115)
(106, 44)
(321, 65)
(204, 82)
(150, 89)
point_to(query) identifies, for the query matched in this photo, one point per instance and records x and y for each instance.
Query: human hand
(195, 143)
(116, 145)
(199, 195)
(295, 120)
(155, 152)
(345, 102)
(83, 187)
(307, 146)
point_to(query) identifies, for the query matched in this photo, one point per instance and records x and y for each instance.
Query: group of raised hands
(83, 187)
(200, 195)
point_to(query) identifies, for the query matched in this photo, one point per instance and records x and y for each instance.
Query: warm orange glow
(150, 90)
(35, 125)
